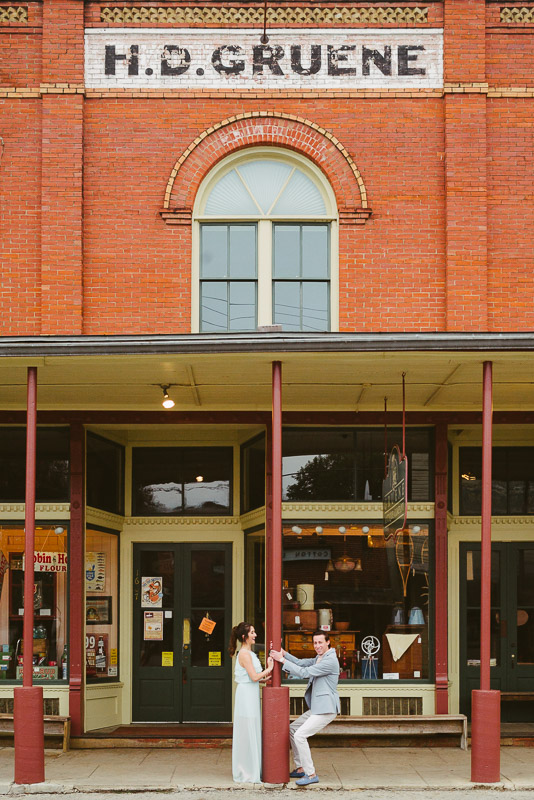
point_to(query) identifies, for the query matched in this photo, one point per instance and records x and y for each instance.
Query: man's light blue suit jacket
(321, 693)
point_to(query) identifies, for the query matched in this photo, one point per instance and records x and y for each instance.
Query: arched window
(265, 245)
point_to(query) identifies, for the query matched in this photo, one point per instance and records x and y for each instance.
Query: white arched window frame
(217, 204)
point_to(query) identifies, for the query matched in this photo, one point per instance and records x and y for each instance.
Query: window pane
(317, 465)
(214, 251)
(345, 575)
(301, 198)
(242, 251)
(169, 481)
(265, 179)
(52, 467)
(230, 197)
(314, 306)
(213, 306)
(315, 251)
(286, 311)
(101, 605)
(286, 251)
(105, 474)
(242, 306)
(50, 633)
(253, 475)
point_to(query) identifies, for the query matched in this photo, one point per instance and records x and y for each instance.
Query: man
(321, 697)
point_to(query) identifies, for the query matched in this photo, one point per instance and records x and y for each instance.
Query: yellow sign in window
(214, 659)
(167, 659)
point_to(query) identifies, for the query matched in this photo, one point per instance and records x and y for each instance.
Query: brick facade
(445, 173)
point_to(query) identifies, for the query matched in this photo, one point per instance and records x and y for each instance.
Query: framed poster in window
(98, 611)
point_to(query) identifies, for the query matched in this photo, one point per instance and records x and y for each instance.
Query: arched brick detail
(266, 128)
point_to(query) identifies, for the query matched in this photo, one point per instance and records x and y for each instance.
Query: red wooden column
(486, 704)
(441, 571)
(76, 576)
(275, 710)
(28, 703)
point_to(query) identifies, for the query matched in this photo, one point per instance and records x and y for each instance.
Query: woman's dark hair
(239, 634)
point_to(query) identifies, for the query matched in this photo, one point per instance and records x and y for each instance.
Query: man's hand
(278, 655)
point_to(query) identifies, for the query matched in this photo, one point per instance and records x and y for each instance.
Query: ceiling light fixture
(167, 402)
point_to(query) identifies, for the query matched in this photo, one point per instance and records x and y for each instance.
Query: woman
(246, 744)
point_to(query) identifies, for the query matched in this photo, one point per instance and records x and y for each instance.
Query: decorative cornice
(96, 516)
(252, 518)
(191, 16)
(367, 510)
(517, 15)
(472, 522)
(61, 510)
(13, 14)
(193, 522)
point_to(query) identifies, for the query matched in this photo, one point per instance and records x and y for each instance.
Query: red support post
(441, 571)
(28, 699)
(76, 570)
(275, 709)
(486, 704)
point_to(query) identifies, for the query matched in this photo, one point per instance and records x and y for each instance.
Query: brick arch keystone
(265, 128)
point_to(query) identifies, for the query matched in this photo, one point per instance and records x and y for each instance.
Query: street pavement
(413, 772)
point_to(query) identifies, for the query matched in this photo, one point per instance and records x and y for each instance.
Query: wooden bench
(53, 726)
(400, 725)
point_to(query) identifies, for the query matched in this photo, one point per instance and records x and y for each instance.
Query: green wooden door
(512, 625)
(181, 673)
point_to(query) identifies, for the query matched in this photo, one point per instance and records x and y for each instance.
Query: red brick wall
(449, 179)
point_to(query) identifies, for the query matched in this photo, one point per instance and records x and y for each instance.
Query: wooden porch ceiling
(314, 381)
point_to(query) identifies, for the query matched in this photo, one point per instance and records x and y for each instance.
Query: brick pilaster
(465, 173)
(61, 171)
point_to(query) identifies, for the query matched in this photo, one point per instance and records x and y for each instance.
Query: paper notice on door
(153, 626)
(214, 659)
(113, 658)
(207, 625)
(151, 592)
(167, 659)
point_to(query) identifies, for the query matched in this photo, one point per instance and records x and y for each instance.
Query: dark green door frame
(512, 637)
(185, 676)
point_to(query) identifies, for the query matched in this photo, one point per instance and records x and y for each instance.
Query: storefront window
(105, 474)
(512, 485)
(333, 465)
(173, 481)
(253, 474)
(371, 594)
(52, 465)
(101, 605)
(49, 645)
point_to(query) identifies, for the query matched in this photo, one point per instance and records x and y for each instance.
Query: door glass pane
(286, 251)
(525, 606)
(242, 251)
(157, 594)
(214, 251)
(286, 311)
(315, 251)
(242, 306)
(473, 589)
(213, 306)
(207, 600)
(314, 306)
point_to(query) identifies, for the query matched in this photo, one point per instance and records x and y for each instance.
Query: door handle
(512, 656)
(184, 674)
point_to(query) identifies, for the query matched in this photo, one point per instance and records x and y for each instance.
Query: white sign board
(317, 59)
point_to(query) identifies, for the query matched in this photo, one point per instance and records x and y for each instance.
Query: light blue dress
(246, 743)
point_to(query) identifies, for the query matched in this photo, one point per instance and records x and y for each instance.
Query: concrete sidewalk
(140, 769)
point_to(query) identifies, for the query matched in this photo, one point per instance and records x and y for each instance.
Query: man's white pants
(299, 732)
